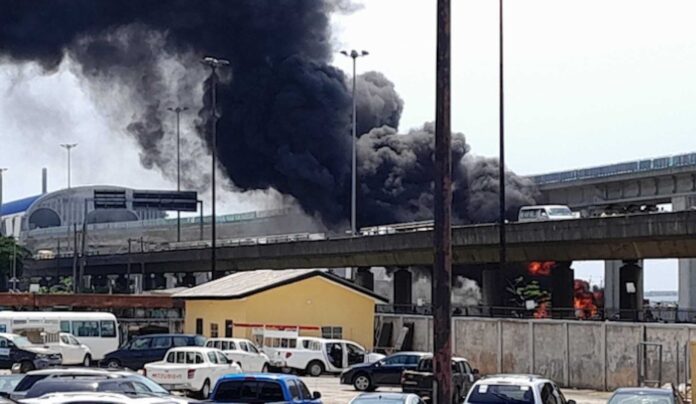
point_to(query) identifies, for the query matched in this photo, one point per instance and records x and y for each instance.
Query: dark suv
(148, 348)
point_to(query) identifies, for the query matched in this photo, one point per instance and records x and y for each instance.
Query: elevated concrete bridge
(631, 237)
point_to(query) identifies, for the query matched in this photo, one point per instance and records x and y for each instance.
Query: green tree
(9, 251)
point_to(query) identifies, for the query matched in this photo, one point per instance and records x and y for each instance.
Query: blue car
(263, 388)
(135, 353)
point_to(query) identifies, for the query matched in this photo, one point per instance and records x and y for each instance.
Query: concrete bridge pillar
(492, 287)
(687, 266)
(365, 278)
(623, 289)
(562, 287)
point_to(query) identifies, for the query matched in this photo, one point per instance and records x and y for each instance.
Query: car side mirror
(316, 395)
(476, 371)
(571, 402)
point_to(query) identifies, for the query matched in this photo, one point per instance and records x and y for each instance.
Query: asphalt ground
(332, 392)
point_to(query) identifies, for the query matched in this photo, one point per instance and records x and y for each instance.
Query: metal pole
(68, 147)
(14, 265)
(214, 64)
(442, 271)
(2, 231)
(201, 219)
(142, 262)
(178, 111)
(83, 248)
(501, 175)
(354, 174)
(74, 268)
(128, 267)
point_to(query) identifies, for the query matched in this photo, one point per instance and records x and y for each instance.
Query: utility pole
(178, 111)
(354, 154)
(2, 231)
(442, 235)
(214, 64)
(68, 147)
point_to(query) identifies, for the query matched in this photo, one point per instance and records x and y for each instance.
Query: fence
(580, 354)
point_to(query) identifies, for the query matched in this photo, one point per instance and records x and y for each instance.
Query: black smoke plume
(285, 111)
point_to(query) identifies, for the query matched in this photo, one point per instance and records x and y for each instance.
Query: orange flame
(584, 301)
(540, 268)
(542, 311)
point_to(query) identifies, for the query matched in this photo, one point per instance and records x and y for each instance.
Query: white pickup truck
(191, 369)
(242, 351)
(319, 355)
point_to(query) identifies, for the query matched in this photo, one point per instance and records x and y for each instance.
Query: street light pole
(178, 111)
(353, 54)
(68, 147)
(2, 170)
(214, 64)
(501, 174)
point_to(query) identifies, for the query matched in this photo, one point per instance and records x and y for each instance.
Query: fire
(542, 311)
(540, 268)
(585, 300)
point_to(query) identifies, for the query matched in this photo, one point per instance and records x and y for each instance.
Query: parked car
(242, 351)
(518, 389)
(148, 348)
(73, 351)
(420, 380)
(126, 385)
(645, 395)
(191, 369)
(97, 398)
(385, 372)
(31, 378)
(263, 388)
(387, 398)
(318, 355)
(18, 350)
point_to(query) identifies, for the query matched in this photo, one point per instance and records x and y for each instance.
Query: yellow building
(319, 303)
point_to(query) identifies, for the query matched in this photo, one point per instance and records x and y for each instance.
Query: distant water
(663, 296)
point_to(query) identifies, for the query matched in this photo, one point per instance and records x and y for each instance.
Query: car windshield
(632, 398)
(501, 394)
(560, 212)
(21, 342)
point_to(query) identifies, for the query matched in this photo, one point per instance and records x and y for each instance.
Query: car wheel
(264, 369)
(26, 366)
(315, 368)
(362, 382)
(87, 361)
(205, 391)
(113, 364)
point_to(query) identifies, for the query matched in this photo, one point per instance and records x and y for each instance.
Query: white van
(242, 351)
(97, 330)
(540, 213)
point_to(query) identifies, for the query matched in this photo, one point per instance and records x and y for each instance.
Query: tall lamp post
(353, 230)
(501, 174)
(214, 64)
(2, 170)
(68, 147)
(178, 111)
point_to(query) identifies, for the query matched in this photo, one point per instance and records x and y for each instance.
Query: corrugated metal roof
(18, 206)
(247, 283)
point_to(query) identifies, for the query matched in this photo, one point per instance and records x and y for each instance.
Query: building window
(199, 326)
(213, 330)
(229, 328)
(332, 332)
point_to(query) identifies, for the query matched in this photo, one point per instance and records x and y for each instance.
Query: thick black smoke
(285, 111)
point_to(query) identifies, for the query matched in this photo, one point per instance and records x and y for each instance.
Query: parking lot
(334, 393)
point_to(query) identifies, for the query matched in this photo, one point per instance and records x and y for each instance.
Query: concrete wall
(581, 354)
